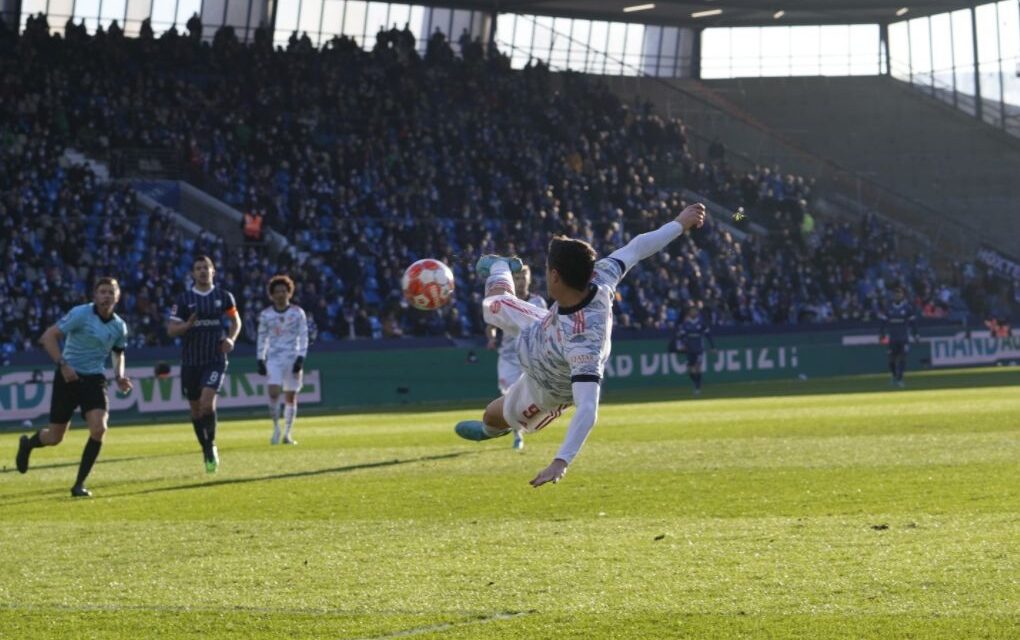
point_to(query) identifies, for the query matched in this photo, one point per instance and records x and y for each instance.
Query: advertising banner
(392, 376)
(961, 352)
(26, 395)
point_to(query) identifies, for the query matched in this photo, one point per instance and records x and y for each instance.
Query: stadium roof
(733, 12)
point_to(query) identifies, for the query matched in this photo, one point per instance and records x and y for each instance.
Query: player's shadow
(294, 474)
(62, 465)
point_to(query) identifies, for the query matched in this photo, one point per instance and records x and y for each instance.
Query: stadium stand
(463, 156)
(950, 162)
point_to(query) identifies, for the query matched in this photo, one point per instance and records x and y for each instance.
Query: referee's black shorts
(87, 392)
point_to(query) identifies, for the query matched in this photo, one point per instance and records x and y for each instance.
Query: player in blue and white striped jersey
(563, 351)
(204, 348)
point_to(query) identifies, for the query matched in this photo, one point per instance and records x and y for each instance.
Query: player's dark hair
(203, 258)
(277, 280)
(573, 259)
(106, 280)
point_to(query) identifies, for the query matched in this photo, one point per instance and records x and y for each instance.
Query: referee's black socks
(35, 441)
(88, 458)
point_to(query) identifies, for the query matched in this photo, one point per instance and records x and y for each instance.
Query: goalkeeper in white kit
(562, 351)
(282, 347)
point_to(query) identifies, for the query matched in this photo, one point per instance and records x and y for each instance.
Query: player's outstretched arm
(647, 244)
(586, 399)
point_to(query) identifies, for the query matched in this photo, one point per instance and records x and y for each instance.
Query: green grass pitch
(828, 509)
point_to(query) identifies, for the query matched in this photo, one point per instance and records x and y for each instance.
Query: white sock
(500, 280)
(274, 413)
(289, 413)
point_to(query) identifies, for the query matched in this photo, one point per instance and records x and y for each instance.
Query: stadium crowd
(368, 160)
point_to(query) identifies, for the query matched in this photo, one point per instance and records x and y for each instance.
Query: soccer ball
(427, 284)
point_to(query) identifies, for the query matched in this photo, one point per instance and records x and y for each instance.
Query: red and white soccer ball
(428, 284)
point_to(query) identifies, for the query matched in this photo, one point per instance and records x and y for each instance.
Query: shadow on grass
(13, 498)
(32, 496)
(294, 474)
(63, 465)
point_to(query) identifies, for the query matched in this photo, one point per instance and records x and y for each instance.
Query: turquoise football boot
(484, 264)
(475, 430)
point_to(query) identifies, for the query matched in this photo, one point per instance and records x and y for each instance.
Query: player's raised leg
(492, 424)
(522, 409)
(501, 308)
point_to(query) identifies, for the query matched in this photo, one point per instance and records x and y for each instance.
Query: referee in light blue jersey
(198, 317)
(90, 333)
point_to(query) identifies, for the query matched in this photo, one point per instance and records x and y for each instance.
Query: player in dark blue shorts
(91, 332)
(197, 316)
(689, 338)
(899, 324)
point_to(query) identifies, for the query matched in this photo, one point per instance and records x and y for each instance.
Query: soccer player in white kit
(508, 365)
(562, 351)
(282, 347)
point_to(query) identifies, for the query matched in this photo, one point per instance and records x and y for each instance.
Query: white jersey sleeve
(302, 339)
(609, 272)
(262, 341)
(647, 244)
(586, 399)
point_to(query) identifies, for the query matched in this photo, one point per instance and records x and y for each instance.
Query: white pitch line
(477, 618)
(450, 625)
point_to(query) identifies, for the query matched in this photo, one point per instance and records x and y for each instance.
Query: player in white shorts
(562, 351)
(281, 349)
(508, 365)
